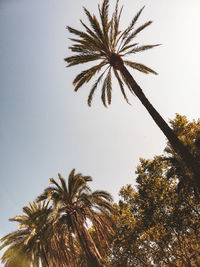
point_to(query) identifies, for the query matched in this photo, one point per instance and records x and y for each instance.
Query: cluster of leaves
(158, 221)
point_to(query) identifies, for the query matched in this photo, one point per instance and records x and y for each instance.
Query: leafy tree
(77, 206)
(158, 221)
(104, 42)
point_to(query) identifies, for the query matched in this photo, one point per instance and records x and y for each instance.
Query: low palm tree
(76, 206)
(36, 240)
(104, 42)
(28, 244)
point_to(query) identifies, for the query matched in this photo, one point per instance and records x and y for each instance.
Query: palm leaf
(103, 11)
(115, 21)
(126, 48)
(86, 75)
(140, 67)
(94, 23)
(109, 87)
(121, 85)
(84, 36)
(124, 34)
(140, 49)
(130, 37)
(94, 87)
(82, 58)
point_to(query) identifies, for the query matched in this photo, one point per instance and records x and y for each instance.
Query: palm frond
(103, 12)
(140, 67)
(124, 34)
(115, 21)
(82, 58)
(94, 87)
(87, 38)
(132, 35)
(86, 75)
(109, 87)
(71, 181)
(126, 48)
(106, 88)
(140, 49)
(121, 85)
(94, 24)
(127, 84)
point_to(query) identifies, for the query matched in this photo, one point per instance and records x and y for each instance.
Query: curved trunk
(187, 157)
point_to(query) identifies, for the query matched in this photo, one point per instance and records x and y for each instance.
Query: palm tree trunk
(187, 157)
(93, 256)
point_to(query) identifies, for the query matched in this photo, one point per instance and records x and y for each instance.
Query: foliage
(158, 222)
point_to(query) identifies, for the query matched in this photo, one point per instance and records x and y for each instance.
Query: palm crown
(28, 244)
(76, 204)
(105, 42)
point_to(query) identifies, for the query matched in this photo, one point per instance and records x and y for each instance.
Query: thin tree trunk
(187, 157)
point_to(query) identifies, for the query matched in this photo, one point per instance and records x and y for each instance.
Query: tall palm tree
(35, 241)
(104, 42)
(77, 206)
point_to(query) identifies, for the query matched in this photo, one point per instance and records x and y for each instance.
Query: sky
(46, 128)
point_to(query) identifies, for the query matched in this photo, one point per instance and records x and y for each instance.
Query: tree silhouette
(104, 42)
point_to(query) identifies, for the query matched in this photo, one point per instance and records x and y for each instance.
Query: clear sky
(46, 128)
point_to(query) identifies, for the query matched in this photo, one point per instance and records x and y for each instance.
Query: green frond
(94, 87)
(121, 85)
(140, 67)
(81, 58)
(86, 75)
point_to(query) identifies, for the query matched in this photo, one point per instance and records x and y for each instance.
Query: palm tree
(77, 206)
(35, 241)
(27, 244)
(104, 42)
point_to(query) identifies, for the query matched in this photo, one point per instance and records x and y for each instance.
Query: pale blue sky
(46, 128)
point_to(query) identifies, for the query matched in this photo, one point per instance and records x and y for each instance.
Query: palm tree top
(75, 192)
(103, 41)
